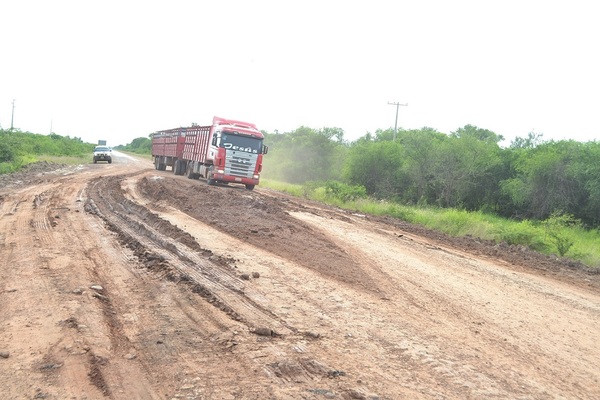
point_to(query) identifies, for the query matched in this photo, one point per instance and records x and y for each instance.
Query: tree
(532, 140)
(7, 152)
(465, 169)
(585, 169)
(483, 135)
(305, 155)
(419, 151)
(545, 180)
(377, 166)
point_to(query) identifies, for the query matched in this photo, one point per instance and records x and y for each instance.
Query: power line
(397, 104)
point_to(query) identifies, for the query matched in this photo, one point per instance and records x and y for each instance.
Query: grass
(533, 234)
(71, 160)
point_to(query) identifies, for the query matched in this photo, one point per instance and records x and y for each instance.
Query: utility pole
(12, 117)
(397, 104)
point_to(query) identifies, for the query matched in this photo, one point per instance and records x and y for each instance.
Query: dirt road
(118, 281)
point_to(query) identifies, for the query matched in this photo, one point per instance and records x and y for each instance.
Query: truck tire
(180, 167)
(209, 179)
(190, 174)
(250, 187)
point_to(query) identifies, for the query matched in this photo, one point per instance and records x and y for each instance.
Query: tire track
(164, 248)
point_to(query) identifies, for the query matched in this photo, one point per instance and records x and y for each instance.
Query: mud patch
(262, 221)
(102, 205)
(33, 173)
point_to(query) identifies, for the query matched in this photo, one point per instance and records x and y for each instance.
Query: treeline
(141, 145)
(20, 148)
(467, 169)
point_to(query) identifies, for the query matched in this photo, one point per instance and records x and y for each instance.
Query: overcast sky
(118, 70)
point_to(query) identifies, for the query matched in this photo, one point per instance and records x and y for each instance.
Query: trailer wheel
(190, 173)
(178, 167)
(250, 187)
(181, 167)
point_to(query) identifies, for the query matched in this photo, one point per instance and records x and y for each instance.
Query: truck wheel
(110, 160)
(190, 174)
(250, 187)
(209, 179)
(95, 161)
(180, 167)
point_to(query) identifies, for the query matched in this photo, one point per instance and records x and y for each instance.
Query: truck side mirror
(265, 149)
(214, 141)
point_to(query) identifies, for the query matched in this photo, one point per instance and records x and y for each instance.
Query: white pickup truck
(102, 153)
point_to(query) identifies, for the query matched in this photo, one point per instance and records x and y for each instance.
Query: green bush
(21, 148)
(141, 145)
(7, 152)
(345, 192)
(556, 228)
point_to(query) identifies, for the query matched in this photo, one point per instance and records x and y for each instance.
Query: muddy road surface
(121, 282)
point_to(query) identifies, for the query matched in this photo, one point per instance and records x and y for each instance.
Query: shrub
(556, 226)
(345, 192)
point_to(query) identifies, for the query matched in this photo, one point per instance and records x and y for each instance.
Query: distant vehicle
(101, 142)
(228, 151)
(102, 153)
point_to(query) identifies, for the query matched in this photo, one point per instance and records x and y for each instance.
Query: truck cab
(238, 152)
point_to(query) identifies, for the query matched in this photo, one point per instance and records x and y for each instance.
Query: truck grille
(240, 163)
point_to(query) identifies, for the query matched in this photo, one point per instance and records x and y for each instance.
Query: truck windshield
(235, 142)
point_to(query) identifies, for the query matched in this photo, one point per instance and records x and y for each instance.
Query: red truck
(226, 151)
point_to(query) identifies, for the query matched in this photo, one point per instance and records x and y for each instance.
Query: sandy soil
(118, 281)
